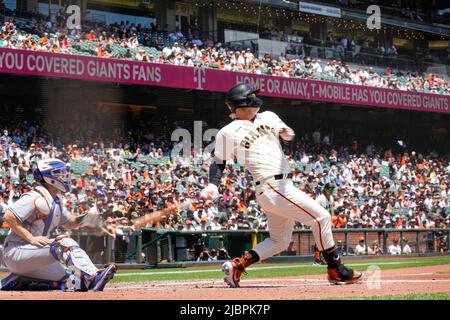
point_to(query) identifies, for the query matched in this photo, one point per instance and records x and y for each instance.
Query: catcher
(38, 262)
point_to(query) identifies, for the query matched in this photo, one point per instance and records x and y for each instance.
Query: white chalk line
(421, 274)
(150, 273)
(214, 281)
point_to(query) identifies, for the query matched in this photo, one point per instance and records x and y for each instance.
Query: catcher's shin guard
(82, 270)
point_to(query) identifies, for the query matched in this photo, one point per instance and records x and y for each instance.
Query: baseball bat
(156, 216)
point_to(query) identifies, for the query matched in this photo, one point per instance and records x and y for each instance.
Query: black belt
(278, 177)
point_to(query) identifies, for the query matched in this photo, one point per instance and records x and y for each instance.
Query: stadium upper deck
(131, 41)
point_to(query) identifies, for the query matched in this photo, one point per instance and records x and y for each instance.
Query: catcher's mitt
(93, 224)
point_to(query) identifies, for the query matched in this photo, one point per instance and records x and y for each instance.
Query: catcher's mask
(54, 173)
(242, 96)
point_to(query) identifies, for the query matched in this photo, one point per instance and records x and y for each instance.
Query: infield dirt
(375, 283)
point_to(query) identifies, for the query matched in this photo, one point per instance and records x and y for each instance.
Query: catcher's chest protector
(48, 209)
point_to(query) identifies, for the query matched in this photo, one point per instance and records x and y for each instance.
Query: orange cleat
(343, 275)
(233, 270)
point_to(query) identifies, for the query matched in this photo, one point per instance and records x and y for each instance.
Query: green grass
(411, 296)
(269, 270)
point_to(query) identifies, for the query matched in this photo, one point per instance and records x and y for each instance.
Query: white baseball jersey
(38, 223)
(255, 145)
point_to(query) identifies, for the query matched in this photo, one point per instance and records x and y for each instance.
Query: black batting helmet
(242, 96)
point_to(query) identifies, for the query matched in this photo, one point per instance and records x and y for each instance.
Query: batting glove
(287, 134)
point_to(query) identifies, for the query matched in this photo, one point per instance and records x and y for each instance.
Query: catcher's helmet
(242, 96)
(53, 172)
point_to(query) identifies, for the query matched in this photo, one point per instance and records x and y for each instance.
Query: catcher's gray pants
(32, 261)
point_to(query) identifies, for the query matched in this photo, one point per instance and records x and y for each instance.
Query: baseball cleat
(15, 282)
(343, 275)
(103, 277)
(11, 282)
(233, 270)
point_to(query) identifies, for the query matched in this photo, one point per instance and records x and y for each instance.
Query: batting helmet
(53, 172)
(242, 96)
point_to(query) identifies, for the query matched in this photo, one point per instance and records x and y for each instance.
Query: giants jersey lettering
(253, 135)
(255, 145)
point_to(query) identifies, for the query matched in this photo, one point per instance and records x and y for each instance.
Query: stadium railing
(361, 58)
(178, 246)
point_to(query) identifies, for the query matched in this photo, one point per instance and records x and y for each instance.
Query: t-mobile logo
(199, 77)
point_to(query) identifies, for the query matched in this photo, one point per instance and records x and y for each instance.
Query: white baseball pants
(284, 204)
(34, 262)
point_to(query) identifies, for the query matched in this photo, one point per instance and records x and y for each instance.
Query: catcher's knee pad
(80, 266)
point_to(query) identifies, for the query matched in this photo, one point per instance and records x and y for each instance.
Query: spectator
(340, 248)
(196, 41)
(360, 248)
(338, 220)
(176, 35)
(232, 225)
(222, 254)
(394, 248)
(142, 56)
(5, 142)
(203, 224)
(189, 226)
(406, 247)
(204, 256)
(376, 249)
(215, 225)
(213, 254)
(326, 199)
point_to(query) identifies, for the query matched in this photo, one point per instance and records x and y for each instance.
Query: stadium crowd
(124, 179)
(135, 42)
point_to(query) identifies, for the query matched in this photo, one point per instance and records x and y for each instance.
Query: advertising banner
(165, 75)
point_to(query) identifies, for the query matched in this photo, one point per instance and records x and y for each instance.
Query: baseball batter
(253, 139)
(36, 261)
